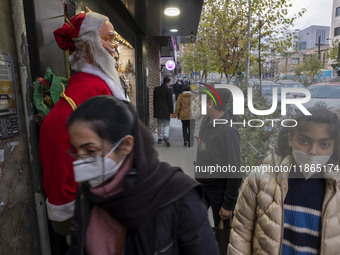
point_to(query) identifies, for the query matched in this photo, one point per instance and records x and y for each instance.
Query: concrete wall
(18, 222)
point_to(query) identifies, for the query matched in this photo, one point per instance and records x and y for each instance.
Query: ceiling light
(173, 30)
(172, 11)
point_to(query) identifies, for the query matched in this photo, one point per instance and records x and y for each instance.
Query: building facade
(335, 25)
(312, 36)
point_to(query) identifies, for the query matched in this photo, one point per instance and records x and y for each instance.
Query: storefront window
(127, 67)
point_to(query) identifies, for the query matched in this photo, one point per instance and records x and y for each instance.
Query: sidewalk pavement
(177, 154)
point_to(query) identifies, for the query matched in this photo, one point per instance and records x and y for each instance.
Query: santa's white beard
(100, 58)
(103, 59)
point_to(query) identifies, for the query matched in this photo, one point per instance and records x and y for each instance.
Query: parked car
(256, 82)
(267, 92)
(291, 84)
(327, 94)
(253, 82)
(267, 89)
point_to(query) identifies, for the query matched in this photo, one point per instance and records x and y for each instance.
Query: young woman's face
(315, 140)
(86, 143)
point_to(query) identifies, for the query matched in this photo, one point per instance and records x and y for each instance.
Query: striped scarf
(302, 217)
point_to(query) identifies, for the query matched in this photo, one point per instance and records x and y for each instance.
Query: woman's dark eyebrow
(305, 136)
(323, 139)
(85, 144)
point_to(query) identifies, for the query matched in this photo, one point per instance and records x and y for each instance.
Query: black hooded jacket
(160, 206)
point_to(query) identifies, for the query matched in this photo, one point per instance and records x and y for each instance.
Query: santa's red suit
(58, 179)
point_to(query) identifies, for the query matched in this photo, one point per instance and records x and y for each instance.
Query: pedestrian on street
(219, 146)
(196, 114)
(163, 107)
(183, 113)
(177, 88)
(296, 210)
(90, 39)
(128, 202)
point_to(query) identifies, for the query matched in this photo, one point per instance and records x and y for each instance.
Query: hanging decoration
(129, 68)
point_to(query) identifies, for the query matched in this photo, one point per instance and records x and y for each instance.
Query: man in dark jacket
(177, 88)
(163, 107)
(218, 148)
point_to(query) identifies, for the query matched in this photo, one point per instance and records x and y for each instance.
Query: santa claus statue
(90, 39)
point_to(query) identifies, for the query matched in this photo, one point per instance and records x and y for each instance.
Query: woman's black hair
(186, 87)
(109, 117)
(320, 115)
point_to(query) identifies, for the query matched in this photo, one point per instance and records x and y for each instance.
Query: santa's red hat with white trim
(81, 26)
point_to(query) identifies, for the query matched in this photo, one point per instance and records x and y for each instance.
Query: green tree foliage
(187, 58)
(313, 65)
(333, 50)
(254, 68)
(222, 33)
(285, 55)
(255, 141)
(223, 29)
(196, 57)
(310, 67)
(299, 70)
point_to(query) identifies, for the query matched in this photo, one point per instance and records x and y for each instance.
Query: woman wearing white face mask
(127, 201)
(295, 209)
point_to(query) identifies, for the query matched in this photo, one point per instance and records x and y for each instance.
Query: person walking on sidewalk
(196, 114)
(163, 107)
(177, 88)
(183, 113)
(219, 146)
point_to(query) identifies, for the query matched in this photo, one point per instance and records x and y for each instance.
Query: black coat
(162, 102)
(179, 228)
(220, 145)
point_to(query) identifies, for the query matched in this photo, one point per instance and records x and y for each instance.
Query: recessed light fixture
(173, 30)
(172, 11)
